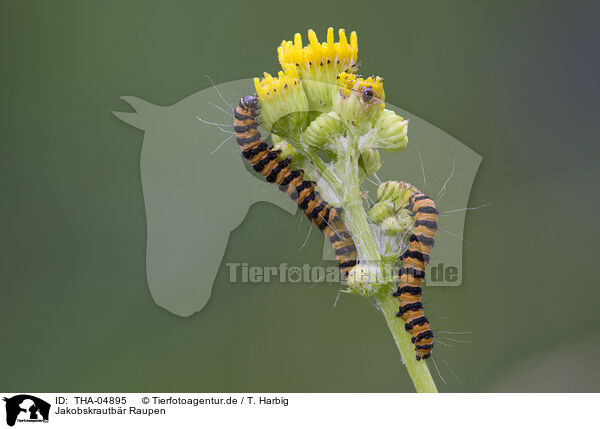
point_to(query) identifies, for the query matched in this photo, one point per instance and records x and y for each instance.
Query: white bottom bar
(274, 410)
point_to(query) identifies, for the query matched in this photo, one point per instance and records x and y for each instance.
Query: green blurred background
(514, 81)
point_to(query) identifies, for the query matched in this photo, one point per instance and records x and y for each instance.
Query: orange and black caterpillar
(412, 272)
(266, 161)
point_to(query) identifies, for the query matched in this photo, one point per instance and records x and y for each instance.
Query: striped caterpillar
(266, 161)
(412, 272)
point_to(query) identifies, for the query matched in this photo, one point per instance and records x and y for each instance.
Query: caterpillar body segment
(412, 273)
(265, 161)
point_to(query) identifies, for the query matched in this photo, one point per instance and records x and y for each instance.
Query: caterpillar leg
(266, 161)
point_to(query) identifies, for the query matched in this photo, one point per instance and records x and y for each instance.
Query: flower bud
(391, 132)
(380, 211)
(405, 219)
(358, 101)
(362, 280)
(391, 226)
(400, 223)
(391, 191)
(323, 131)
(370, 161)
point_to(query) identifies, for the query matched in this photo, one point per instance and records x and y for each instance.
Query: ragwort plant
(331, 124)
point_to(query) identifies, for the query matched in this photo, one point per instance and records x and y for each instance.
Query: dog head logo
(26, 408)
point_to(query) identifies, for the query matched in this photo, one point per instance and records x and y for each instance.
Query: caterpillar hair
(266, 161)
(412, 272)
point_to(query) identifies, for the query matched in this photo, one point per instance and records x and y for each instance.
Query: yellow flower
(319, 64)
(358, 101)
(350, 83)
(341, 54)
(283, 103)
(268, 87)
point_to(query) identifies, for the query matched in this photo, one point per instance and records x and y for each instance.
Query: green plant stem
(355, 218)
(418, 370)
(317, 164)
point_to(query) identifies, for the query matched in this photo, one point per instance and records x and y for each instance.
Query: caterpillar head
(250, 102)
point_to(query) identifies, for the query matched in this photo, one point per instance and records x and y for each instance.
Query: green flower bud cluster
(390, 209)
(396, 192)
(398, 223)
(380, 211)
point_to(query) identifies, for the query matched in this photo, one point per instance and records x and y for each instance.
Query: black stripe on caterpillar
(411, 275)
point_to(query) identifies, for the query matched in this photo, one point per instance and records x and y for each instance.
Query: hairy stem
(356, 220)
(317, 164)
(418, 370)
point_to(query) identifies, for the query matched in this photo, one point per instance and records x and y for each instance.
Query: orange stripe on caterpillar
(266, 161)
(415, 261)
